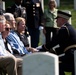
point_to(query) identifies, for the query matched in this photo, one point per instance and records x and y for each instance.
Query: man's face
(13, 22)
(2, 26)
(59, 21)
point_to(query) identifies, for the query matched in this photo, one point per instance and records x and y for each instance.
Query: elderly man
(7, 60)
(64, 43)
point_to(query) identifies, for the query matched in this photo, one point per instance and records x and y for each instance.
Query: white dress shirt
(3, 51)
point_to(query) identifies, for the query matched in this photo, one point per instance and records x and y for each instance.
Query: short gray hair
(8, 16)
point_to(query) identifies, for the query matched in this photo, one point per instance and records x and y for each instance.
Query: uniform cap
(63, 14)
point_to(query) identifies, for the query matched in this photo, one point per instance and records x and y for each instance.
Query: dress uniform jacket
(34, 13)
(63, 45)
(34, 19)
(66, 37)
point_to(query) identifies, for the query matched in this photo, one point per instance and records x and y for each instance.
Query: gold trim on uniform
(69, 47)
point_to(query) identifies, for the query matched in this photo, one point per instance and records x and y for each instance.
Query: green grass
(68, 73)
(8, 3)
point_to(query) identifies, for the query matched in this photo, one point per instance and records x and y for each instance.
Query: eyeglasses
(7, 29)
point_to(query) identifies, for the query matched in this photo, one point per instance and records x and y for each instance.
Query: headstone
(58, 3)
(2, 4)
(40, 63)
(75, 4)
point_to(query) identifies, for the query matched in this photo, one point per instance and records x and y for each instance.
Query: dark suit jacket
(16, 11)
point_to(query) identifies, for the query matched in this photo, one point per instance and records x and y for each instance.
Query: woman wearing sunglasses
(8, 46)
(5, 34)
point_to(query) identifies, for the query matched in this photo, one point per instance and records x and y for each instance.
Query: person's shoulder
(64, 29)
(56, 9)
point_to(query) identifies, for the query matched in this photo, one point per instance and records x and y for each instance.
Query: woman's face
(21, 26)
(7, 30)
(51, 4)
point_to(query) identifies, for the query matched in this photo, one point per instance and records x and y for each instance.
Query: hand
(33, 50)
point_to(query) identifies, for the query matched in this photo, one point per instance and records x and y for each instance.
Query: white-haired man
(7, 60)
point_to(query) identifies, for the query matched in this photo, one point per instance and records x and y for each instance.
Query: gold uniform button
(33, 8)
(33, 14)
(34, 11)
(33, 5)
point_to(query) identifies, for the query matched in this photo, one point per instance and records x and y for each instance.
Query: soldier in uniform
(63, 44)
(34, 17)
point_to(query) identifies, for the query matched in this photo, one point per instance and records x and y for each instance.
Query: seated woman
(7, 45)
(20, 30)
(4, 35)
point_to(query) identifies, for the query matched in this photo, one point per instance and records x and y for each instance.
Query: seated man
(64, 43)
(13, 39)
(7, 61)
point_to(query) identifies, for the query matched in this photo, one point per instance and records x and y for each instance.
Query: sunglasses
(7, 29)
